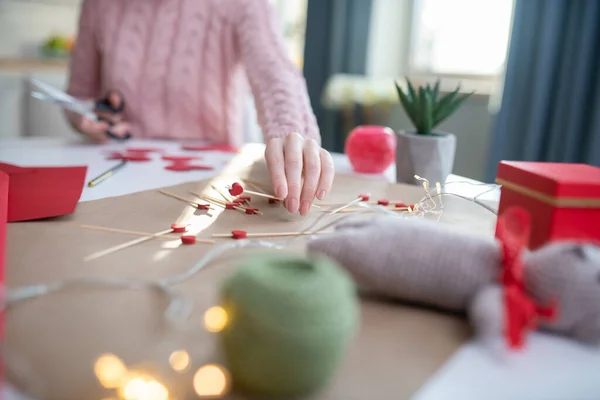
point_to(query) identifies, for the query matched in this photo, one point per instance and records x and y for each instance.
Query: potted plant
(425, 151)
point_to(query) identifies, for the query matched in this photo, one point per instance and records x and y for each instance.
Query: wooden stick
(221, 203)
(125, 245)
(128, 232)
(357, 200)
(131, 243)
(272, 234)
(348, 210)
(268, 196)
(221, 193)
(258, 186)
(366, 202)
(179, 198)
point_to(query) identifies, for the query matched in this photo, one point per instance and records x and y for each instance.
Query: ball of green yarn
(290, 321)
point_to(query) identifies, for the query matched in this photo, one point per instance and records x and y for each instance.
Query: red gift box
(562, 199)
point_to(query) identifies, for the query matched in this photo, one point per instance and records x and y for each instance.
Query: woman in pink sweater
(181, 68)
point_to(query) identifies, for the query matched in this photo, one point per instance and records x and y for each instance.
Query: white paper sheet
(549, 368)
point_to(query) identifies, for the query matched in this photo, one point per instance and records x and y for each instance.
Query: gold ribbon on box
(562, 202)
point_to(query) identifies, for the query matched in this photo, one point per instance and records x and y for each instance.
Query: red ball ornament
(371, 149)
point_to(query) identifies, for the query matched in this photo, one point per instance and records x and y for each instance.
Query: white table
(552, 368)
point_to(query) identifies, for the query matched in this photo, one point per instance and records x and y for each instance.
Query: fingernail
(293, 205)
(322, 194)
(280, 191)
(304, 208)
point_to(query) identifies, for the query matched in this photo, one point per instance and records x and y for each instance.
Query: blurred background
(351, 51)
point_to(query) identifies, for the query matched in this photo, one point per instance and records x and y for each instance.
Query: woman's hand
(300, 170)
(110, 116)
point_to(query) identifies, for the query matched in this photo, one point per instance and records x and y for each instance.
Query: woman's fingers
(112, 118)
(311, 165)
(276, 166)
(110, 108)
(121, 129)
(94, 130)
(327, 174)
(300, 171)
(293, 150)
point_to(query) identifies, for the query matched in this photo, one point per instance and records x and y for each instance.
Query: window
(292, 15)
(460, 37)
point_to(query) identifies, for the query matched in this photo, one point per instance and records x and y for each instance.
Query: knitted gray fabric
(427, 262)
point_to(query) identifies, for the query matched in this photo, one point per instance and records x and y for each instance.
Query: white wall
(24, 24)
(389, 45)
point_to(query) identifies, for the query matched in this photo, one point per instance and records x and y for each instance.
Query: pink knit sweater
(182, 66)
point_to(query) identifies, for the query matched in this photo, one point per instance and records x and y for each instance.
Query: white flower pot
(429, 156)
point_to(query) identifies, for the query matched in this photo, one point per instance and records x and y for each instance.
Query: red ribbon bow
(521, 313)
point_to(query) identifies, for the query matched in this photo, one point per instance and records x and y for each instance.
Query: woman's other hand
(110, 118)
(300, 170)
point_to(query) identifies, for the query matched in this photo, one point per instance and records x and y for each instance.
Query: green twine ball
(290, 320)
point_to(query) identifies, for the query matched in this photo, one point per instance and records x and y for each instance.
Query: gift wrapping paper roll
(290, 321)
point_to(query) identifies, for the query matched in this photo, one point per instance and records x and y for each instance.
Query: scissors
(50, 94)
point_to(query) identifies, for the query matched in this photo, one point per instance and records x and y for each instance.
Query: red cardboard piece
(178, 228)
(4, 184)
(42, 192)
(238, 234)
(188, 239)
(236, 189)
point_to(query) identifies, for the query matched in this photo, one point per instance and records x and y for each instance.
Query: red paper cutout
(383, 202)
(230, 206)
(203, 206)
(521, 312)
(237, 234)
(143, 150)
(133, 157)
(236, 189)
(178, 228)
(215, 147)
(251, 210)
(43, 192)
(188, 239)
(180, 158)
(184, 166)
(401, 205)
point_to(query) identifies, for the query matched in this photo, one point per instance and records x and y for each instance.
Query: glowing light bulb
(211, 381)
(215, 319)
(156, 391)
(110, 371)
(144, 389)
(179, 360)
(135, 389)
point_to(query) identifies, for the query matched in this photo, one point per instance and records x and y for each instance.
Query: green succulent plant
(426, 108)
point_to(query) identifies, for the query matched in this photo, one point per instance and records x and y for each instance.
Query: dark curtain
(337, 32)
(551, 102)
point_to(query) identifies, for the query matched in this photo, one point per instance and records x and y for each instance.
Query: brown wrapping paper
(53, 341)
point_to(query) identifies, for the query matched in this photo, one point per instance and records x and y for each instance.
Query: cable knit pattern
(184, 66)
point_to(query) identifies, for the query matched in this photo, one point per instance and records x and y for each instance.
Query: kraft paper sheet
(58, 337)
